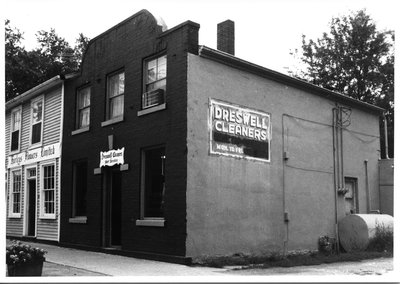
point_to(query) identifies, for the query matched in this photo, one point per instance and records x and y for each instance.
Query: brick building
(174, 150)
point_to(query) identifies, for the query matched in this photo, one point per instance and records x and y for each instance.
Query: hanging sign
(35, 155)
(112, 157)
(239, 132)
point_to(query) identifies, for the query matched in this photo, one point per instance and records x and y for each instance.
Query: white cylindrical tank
(356, 230)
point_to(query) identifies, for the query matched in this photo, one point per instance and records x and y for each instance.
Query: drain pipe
(386, 136)
(367, 187)
(334, 134)
(341, 149)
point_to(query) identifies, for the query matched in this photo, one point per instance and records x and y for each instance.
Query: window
(153, 183)
(15, 129)
(115, 95)
(79, 188)
(83, 108)
(48, 191)
(155, 82)
(36, 121)
(15, 200)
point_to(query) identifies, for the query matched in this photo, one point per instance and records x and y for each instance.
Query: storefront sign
(239, 132)
(35, 155)
(112, 157)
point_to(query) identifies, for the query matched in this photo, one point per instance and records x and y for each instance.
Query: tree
(54, 56)
(354, 59)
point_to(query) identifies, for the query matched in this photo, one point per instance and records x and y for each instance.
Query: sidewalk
(61, 261)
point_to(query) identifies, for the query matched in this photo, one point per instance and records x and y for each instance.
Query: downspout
(341, 149)
(367, 187)
(334, 140)
(386, 137)
(285, 219)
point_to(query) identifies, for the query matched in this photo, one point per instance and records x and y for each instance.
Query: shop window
(48, 191)
(79, 188)
(83, 108)
(15, 129)
(15, 198)
(36, 121)
(115, 95)
(155, 81)
(153, 183)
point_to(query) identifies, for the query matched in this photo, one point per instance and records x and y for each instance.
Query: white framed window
(16, 118)
(48, 183)
(37, 110)
(155, 81)
(115, 95)
(15, 194)
(83, 108)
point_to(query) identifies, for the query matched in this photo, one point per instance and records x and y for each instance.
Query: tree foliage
(354, 59)
(53, 56)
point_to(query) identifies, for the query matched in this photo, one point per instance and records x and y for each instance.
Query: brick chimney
(226, 37)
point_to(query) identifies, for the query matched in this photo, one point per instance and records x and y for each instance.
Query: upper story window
(15, 129)
(155, 81)
(115, 95)
(36, 121)
(83, 108)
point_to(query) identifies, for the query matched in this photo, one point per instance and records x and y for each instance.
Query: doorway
(31, 203)
(112, 208)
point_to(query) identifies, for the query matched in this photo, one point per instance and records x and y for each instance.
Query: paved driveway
(62, 261)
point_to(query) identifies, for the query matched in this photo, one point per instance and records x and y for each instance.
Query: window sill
(34, 146)
(78, 220)
(112, 121)
(80, 130)
(13, 152)
(48, 217)
(14, 216)
(152, 109)
(151, 222)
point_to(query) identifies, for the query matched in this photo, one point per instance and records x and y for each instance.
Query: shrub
(326, 245)
(18, 253)
(383, 239)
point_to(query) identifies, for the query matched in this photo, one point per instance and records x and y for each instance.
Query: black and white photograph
(199, 141)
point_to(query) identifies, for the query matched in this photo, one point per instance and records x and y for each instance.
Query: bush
(383, 239)
(326, 245)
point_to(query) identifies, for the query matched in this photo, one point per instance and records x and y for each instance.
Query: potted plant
(24, 260)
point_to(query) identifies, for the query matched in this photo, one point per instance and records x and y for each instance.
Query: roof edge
(236, 62)
(35, 91)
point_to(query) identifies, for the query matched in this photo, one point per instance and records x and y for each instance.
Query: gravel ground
(380, 266)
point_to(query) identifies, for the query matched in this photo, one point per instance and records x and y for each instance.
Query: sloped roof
(230, 60)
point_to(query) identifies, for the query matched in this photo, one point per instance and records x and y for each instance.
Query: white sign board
(35, 155)
(112, 157)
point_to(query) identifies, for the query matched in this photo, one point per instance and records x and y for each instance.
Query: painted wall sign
(35, 155)
(239, 132)
(112, 157)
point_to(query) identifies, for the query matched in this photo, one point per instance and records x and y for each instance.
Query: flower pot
(31, 268)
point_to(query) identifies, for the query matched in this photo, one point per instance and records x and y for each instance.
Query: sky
(265, 30)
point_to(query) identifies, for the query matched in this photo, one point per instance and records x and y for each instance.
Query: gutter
(230, 60)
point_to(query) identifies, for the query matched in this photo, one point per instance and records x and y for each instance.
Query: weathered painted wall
(46, 229)
(237, 205)
(386, 194)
